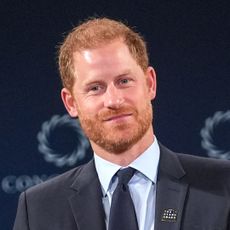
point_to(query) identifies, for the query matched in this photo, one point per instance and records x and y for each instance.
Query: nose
(113, 97)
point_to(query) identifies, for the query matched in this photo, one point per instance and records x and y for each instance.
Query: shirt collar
(146, 163)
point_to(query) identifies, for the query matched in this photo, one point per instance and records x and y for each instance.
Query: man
(109, 86)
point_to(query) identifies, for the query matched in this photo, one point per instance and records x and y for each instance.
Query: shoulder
(203, 165)
(200, 171)
(189, 161)
(56, 186)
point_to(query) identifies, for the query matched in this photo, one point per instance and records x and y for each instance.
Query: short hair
(93, 33)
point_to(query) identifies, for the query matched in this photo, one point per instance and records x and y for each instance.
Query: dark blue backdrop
(189, 48)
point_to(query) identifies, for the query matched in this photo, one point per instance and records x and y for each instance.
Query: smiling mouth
(118, 117)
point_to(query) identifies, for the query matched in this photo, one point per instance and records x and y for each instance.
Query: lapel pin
(169, 215)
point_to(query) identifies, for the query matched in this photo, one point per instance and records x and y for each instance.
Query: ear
(69, 102)
(151, 82)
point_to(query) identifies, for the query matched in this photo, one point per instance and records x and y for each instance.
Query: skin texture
(112, 96)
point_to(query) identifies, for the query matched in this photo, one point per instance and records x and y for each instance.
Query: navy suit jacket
(195, 189)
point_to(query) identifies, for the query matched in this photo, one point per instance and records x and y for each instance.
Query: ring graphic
(52, 150)
(209, 134)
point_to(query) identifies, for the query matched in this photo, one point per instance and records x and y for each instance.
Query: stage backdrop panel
(188, 46)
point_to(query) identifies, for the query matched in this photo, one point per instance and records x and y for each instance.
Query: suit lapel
(86, 203)
(171, 192)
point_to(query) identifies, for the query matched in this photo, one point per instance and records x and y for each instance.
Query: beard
(117, 137)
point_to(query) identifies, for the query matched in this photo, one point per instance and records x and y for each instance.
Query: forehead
(109, 57)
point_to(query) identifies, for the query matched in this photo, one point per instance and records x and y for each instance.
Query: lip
(118, 117)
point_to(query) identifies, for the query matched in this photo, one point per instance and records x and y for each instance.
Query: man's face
(111, 96)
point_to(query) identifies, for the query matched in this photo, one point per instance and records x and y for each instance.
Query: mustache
(106, 114)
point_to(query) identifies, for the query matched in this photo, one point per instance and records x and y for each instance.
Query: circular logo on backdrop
(216, 135)
(61, 141)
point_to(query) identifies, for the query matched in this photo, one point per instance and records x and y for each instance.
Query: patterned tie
(122, 212)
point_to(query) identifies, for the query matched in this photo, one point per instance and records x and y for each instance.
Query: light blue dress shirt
(142, 185)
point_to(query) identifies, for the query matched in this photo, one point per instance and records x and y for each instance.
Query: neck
(128, 156)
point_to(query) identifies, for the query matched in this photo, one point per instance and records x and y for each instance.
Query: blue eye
(95, 88)
(124, 81)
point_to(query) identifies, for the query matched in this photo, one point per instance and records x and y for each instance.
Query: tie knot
(124, 175)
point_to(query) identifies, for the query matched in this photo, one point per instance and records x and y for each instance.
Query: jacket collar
(87, 207)
(86, 203)
(171, 191)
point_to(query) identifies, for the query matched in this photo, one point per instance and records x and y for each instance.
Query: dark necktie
(122, 212)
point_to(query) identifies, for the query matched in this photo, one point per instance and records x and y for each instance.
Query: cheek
(88, 108)
(141, 94)
(142, 100)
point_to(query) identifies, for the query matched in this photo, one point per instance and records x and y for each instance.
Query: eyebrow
(87, 84)
(124, 74)
(99, 79)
